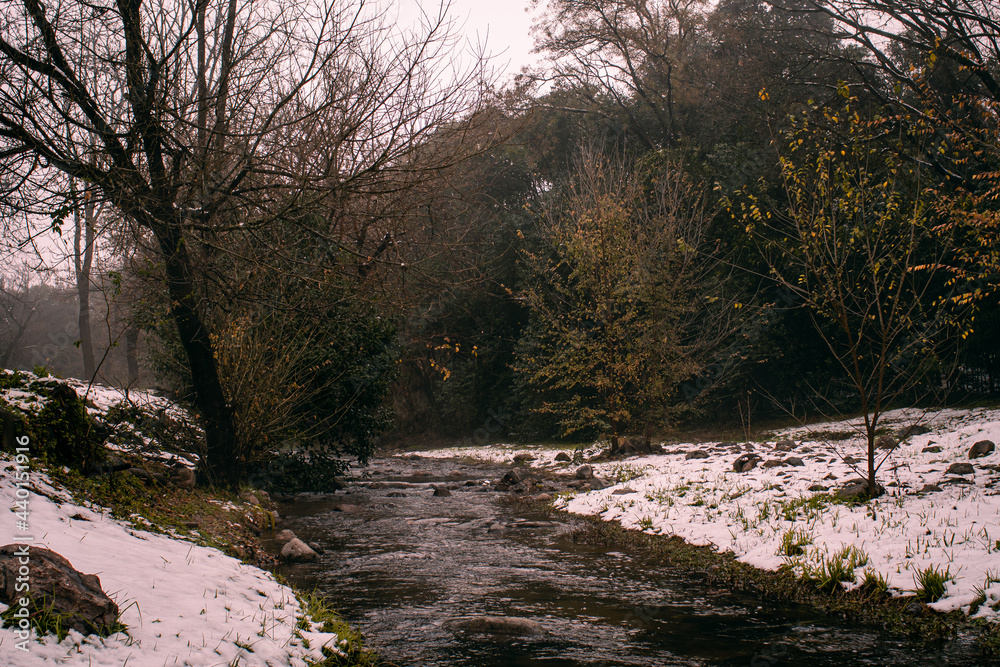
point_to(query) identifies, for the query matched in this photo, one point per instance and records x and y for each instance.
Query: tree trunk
(83, 242)
(222, 463)
(132, 354)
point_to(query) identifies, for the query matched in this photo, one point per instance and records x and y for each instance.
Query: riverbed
(411, 570)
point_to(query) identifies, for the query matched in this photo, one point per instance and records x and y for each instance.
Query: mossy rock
(63, 433)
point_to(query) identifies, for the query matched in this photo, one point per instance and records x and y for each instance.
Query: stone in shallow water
(497, 625)
(297, 551)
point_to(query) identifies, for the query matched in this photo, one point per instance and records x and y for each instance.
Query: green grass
(930, 583)
(318, 612)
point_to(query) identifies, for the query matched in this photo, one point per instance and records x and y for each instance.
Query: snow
(182, 604)
(955, 530)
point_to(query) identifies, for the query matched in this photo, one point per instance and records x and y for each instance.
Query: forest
(320, 230)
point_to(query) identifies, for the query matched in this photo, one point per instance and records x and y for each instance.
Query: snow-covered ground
(182, 604)
(764, 514)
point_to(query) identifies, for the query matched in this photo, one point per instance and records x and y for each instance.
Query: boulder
(817, 488)
(960, 469)
(745, 462)
(285, 536)
(297, 551)
(697, 454)
(316, 547)
(511, 477)
(442, 492)
(347, 508)
(563, 457)
(858, 490)
(886, 442)
(596, 484)
(981, 448)
(929, 488)
(585, 472)
(915, 429)
(183, 477)
(794, 461)
(773, 463)
(497, 625)
(249, 498)
(524, 457)
(784, 445)
(58, 588)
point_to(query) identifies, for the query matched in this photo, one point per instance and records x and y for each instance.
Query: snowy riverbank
(182, 604)
(785, 511)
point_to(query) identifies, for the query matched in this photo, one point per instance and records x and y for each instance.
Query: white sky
(503, 25)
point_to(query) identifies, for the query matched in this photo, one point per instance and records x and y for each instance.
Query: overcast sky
(504, 25)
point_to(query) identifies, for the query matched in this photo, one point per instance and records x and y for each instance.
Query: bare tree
(859, 243)
(202, 121)
(634, 52)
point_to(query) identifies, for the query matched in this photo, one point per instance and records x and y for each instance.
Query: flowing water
(403, 566)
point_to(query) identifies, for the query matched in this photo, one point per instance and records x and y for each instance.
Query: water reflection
(402, 565)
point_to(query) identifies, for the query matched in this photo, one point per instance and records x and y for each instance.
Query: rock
(496, 528)
(850, 460)
(297, 551)
(859, 491)
(542, 498)
(914, 429)
(817, 487)
(933, 449)
(596, 484)
(981, 448)
(57, 588)
(511, 477)
(622, 492)
(929, 488)
(773, 463)
(886, 442)
(957, 480)
(183, 477)
(576, 483)
(960, 469)
(915, 608)
(347, 508)
(563, 457)
(249, 498)
(585, 472)
(396, 494)
(285, 536)
(497, 625)
(524, 458)
(784, 445)
(745, 462)
(316, 547)
(520, 487)
(111, 463)
(794, 461)
(442, 492)
(697, 454)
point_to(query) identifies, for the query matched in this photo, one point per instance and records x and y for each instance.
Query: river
(407, 567)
